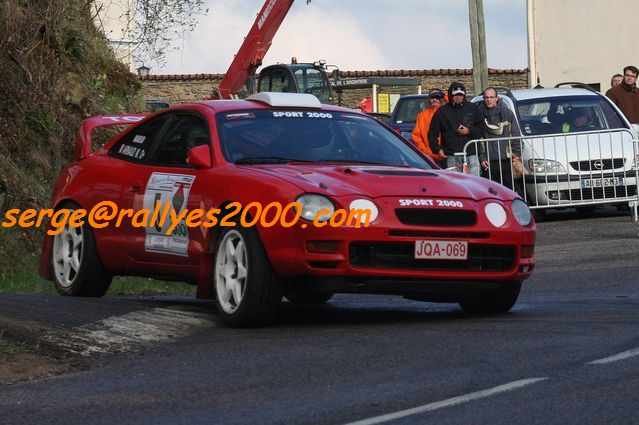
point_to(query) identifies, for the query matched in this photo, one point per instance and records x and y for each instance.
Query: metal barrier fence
(579, 170)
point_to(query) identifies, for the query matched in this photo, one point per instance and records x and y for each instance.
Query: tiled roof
(182, 77)
(346, 74)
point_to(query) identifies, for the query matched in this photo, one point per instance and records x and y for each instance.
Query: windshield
(267, 136)
(409, 108)
(569, 114)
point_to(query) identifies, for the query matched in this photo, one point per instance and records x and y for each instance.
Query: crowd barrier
(580, 170)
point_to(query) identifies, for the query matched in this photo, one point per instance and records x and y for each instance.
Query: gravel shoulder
(26, 356)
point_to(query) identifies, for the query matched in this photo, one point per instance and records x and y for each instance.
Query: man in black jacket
(458, 122)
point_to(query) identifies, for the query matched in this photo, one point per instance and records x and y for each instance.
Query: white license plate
(441, 250)
(605, 182)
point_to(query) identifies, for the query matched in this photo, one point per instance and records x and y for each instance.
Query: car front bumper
(384, 252)
(572, 190)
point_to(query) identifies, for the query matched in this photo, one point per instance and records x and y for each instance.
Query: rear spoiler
(83, 139)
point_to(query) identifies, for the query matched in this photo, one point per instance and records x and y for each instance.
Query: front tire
(497, 301)
(77, 269)
(247, 290)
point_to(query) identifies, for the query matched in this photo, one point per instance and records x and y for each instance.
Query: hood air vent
(400, 173)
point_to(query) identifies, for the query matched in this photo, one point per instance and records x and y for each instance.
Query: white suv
(577, 147)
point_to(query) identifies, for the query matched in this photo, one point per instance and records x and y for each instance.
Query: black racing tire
(76, 265)
(497, 301)
(248, 292)
(308, 298)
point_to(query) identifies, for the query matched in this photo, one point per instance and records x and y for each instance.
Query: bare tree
(148, 28)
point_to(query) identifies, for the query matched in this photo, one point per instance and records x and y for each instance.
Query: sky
(357, 35)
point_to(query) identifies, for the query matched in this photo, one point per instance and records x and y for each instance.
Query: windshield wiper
(268, 160)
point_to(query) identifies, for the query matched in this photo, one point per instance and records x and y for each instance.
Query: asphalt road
(568, 353)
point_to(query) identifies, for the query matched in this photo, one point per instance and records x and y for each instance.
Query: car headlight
(312, 204)
(521, 212)
(545, 166)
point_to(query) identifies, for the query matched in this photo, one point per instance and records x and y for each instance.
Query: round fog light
(496, 214)
(367, 208)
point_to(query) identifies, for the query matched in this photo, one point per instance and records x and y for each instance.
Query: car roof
(239, 104)
(526, 94)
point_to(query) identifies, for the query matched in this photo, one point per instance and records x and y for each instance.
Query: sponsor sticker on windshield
(240, 116)
(300, 114)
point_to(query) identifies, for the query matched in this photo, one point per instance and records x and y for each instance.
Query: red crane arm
(255, 46)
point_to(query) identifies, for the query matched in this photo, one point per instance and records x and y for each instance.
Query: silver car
(577, 147)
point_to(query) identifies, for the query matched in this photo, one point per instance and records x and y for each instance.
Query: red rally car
(433, 235)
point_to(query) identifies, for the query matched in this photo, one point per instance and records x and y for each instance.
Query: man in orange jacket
(420, 133)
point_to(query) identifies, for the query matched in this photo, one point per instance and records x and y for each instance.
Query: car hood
(377, 181)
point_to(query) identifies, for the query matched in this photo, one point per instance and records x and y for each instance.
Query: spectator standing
(366, 104)
(616, 80)
(455, 124)
(497, 157)
(626, 94)
(424, 118)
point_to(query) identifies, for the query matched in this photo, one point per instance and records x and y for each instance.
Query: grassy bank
(23, 278)
(57, 70)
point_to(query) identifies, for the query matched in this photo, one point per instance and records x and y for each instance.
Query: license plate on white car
(441, 250)
(603, 182)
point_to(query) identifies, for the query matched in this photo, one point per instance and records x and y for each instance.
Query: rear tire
(77, 269)
(497, 301)
(247, 290)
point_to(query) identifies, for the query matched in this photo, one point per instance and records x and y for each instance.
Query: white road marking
(132, 331)
(449, 402)
(617, 357)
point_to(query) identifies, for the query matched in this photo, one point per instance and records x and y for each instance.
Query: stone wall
(180, 88)
(189, 87)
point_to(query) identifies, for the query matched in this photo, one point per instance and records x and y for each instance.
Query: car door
(120, 181)
(170, 188)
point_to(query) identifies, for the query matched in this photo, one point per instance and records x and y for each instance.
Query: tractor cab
(296, 78)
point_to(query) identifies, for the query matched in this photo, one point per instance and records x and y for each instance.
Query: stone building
(179, 88)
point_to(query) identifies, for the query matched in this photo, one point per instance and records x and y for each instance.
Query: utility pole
(478, 45)
(483, 57)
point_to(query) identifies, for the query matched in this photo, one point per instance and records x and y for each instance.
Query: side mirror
(199, 156)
